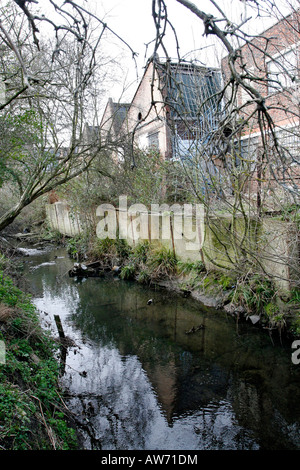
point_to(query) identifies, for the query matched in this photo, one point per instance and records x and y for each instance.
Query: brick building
(269, 64)
(172, 109)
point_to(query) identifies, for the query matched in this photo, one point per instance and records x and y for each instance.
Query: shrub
(107, 250)
(144, 277)
(162, 262)
(29, 393)
(78, 246)
(254, 292)
(141, 252)
(187, 267)
(226, 282)
(128, 271)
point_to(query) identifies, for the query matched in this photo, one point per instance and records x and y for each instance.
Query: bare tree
(243, 162)
(52, 87)
(245, 165)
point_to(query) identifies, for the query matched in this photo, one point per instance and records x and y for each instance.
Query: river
(136, 379)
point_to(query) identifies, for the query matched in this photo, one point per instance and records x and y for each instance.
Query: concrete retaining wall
(61, 219)
(273, 242)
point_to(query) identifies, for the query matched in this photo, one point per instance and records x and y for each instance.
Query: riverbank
(32, 404)
(252, 297)
(33, 415)
(32, 407)
(151, 369)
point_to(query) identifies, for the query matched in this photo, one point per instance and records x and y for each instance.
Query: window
(289, 142)
(282, 71)
(153, 141)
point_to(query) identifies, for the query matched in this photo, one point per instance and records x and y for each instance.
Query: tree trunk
(12, 213)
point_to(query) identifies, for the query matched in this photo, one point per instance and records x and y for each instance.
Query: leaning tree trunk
(11, 214)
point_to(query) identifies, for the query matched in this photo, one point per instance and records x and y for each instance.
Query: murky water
(136, 380)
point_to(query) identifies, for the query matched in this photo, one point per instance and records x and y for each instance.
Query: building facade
(270, 136)
(172, 110)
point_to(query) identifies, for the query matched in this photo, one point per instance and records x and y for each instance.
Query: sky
(132, 20)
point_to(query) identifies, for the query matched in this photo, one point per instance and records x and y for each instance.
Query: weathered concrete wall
(274, 243)
(61, 219)
(182, 237)
(227, 241)
(280, 251)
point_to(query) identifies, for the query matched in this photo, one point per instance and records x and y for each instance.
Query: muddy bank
(32, 412)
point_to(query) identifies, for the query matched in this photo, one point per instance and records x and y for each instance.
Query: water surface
(136, 380)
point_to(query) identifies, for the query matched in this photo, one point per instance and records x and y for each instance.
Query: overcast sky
(132, 20)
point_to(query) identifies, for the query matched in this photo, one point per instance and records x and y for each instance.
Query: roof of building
(119, 114)
(190, 89)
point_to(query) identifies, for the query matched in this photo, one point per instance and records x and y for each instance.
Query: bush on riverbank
(32, 413)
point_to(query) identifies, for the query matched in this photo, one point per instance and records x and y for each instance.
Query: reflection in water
(137, 380)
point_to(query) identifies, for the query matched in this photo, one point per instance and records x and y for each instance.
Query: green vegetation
(187, 267)
(295, 296)
(77, 246)
(107, 250)
(259, 295)
(291, 213)
(128, 271)
(162, 262)
(142, 262)
(53, 236)
(32, 413)
(254, 292)
(147, 264)
(294, 303)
